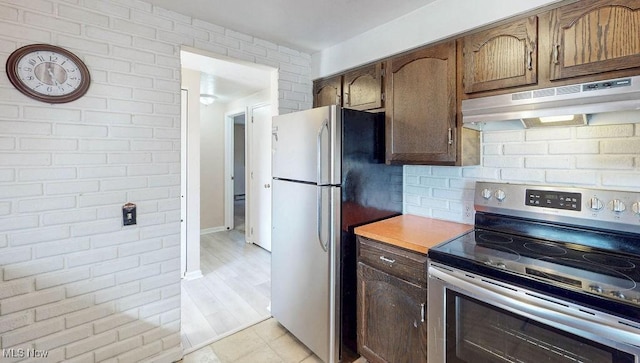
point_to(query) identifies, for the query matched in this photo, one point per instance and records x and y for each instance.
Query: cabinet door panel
(421, 106)
(390, 318)
(327, 92)
(595, 36)
(501, 57)
(363, 88)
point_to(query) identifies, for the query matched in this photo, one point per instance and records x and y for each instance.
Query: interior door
(259, 230)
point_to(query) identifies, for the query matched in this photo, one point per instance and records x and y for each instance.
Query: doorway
(232, 287)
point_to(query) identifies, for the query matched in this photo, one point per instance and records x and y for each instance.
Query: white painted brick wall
(606, 157)
(73, 280)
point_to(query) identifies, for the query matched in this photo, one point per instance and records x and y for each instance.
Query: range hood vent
(614, 101)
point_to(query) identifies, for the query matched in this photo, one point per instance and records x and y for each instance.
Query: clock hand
(53, 77)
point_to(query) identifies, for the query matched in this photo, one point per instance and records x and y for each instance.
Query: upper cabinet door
(420, 90)
(327, 92)
(501, 57)
(363, 88)
(594, 36)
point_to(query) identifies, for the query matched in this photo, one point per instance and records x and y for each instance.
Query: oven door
(474, 319)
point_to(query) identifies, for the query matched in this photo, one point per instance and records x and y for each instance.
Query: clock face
(48, 73)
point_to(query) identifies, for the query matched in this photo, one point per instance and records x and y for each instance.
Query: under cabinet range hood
(613, 101)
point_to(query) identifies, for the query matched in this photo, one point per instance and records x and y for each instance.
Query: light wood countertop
(413, 232)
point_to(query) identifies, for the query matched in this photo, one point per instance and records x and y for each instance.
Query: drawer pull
(422, 313)
(387, 260)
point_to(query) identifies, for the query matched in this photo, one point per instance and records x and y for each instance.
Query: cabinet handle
(530, 60)
(422, 313)
(450, 135)
(556, 53)
(387, 260)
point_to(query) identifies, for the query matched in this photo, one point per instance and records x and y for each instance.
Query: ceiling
(305, 25)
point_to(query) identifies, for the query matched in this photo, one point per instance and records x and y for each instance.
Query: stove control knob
(636, 208)
(486, 194)
(595, 288)
(595, 204)
(618, 294)
(501, 265)
(500, 195)
(617, 206)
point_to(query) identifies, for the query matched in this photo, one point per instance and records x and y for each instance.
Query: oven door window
(477, 332)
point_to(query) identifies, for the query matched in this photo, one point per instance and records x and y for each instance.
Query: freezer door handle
(325, 125)
(319, 221)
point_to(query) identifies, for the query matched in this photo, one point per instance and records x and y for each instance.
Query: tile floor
(265, 342)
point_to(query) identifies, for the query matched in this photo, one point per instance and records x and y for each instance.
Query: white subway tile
(39, 235)
(621, 180)
(141, 299)
(155, 46)
(574, 147)
(64, 307)
(32, 332)
(601, 162)
(130, 80)
(24, 127)
(120, 347)
(537, 148)
(95, 284)
(15, 321)
(71, 187)
(503, 161)
(63, 338)
(104, 145)
(89, 258)
(89, 344)
(123, 184)
(550, 162)
(549, 134)
(49, 22)
(116, 292)
(26, 32)
(15, 288)
(18, 223)
(45, 281)
(83, 16)
(601, 132)
(621, 146)
(142, 353)
(577, 177)
(46, 204)
(522, 175)
(160, 307)
(62, 247)
(25, 159)
(28, 301)
(143, 17)
(79, 159)
(14, 255)
(113, 321)
(43, 174)
(489, 137)
(20, 190)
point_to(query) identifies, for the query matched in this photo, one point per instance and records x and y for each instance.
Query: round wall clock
(48, 73)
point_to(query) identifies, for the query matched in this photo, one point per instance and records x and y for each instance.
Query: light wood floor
(235, 291)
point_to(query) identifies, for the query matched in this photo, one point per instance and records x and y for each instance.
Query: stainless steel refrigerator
(329, 177)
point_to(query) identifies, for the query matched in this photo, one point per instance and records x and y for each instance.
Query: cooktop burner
(570, 266)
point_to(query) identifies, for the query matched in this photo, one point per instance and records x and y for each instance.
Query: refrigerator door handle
(325, 125)
(319, 221)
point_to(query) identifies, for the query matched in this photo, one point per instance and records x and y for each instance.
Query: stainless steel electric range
(550, 274)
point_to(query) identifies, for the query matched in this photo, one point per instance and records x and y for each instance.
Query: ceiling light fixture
(207, 99)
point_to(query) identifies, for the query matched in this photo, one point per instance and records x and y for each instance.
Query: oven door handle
(545, 309)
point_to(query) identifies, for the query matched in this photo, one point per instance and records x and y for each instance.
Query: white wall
(73, 280)
(605, 157)
(212, 166)
(439, 20)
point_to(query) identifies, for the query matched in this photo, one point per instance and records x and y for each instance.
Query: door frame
(228, 164)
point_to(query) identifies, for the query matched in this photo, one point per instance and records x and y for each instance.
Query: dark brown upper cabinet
(327, 91)
(501, 57)
(594, 36)
(420, 106)
(363, 88)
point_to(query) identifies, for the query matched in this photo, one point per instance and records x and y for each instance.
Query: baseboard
(193, 275)
(213, 230)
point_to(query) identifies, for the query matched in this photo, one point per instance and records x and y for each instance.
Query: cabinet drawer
(396, 261)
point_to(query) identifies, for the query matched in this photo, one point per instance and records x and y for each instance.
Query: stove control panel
(553, 199)
(610, 209)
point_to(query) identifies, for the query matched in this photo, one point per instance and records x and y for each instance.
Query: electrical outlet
(468, 209)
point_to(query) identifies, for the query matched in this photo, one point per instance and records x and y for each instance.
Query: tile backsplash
(606, 157)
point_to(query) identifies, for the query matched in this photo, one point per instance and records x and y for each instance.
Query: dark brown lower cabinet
(392, 325)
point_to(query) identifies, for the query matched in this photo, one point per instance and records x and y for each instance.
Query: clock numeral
(27, 69)
(28, 78)
(53, 58)
(41, 58)
(32, 62)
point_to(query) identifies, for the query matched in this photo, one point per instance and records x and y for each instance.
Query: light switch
(129, 214)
